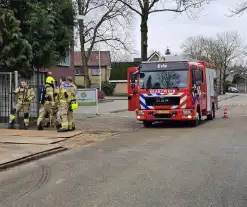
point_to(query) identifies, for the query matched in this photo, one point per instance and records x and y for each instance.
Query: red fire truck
(172, 90)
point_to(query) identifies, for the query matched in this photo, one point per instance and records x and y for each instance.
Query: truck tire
(196, 122)
(147, 124)
(211, 116)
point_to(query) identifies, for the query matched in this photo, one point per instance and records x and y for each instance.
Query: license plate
(163, 112)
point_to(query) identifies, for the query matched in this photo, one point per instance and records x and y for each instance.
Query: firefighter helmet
(50, 80)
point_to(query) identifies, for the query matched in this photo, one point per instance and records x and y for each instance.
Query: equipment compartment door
(132, 98)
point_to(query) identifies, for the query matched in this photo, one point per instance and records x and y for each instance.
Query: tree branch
(130, 7)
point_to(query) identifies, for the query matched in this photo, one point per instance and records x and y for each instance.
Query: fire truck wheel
(196, 122)
(147, 124)
(211, 116)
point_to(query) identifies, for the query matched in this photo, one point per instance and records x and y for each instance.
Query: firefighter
(48, 118)
(63, 105)
(24, 95)
(47, 103)
(56, 100)
(73, 105)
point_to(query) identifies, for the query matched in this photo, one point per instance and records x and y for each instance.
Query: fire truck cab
(172, 90)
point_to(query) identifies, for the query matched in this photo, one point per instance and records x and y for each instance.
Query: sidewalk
(104, 108)
(19, 146)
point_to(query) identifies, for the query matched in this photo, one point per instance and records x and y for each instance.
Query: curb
(31, 157)
(117, 111)
(118, 99)
(228, 97)
(106, 101)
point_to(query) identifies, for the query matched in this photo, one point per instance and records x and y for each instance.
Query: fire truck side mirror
(142, 75)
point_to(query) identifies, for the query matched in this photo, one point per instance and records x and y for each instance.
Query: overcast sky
(165, 30)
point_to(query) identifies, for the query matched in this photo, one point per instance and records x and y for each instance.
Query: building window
(79, 71)
(66, 62)
(95, 71)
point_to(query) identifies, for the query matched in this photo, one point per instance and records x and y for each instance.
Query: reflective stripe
(63, 101)
(65, 124)
(26, 122)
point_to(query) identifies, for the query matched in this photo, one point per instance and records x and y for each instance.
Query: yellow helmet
(50, 80)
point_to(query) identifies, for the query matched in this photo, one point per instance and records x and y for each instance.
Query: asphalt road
(161, 166)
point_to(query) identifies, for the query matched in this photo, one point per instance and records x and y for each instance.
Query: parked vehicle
(174, 90)
(233, 90)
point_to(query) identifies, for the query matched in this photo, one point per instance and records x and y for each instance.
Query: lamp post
(99, 69)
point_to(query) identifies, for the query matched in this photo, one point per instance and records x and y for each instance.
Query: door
(132, 98)
(203, 90)
(199, 76)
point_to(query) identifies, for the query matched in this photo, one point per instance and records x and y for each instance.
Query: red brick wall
(59, 71)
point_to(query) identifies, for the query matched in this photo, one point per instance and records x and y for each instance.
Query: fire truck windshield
(163, 79)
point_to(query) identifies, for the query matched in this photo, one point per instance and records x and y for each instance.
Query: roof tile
(105, 58)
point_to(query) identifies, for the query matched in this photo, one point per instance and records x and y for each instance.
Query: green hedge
(119, 70)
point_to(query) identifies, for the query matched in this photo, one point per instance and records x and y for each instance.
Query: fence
(8, 82)
(240, 87)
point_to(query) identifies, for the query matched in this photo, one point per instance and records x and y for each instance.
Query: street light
(99, 69)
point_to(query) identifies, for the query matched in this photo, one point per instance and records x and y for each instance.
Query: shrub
(108, 88)
(101, 95)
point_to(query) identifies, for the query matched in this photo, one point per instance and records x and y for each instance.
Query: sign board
(157, 66)
(88, 97)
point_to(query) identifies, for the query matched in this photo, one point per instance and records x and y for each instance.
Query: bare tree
(146, 7)
(104, 22)
(220, 51)
(239, 9)
(195, 47)
(122, 56)
(229, 47)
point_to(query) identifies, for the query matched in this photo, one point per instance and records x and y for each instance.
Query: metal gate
(8, 82)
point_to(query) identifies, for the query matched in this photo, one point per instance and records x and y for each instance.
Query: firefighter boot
(47, 125)
(62, 130)
(39, 127)
(11, 125)
(25, 127)
(58, 126)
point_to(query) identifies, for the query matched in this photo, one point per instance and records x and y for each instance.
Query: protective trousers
(71, 122)
(63, 115)
(16, 110)
(47, 109)
(47, 120)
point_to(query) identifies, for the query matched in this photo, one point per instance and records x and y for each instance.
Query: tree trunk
(144, 39)
(224, 81)
(84, 58)
(220, 86)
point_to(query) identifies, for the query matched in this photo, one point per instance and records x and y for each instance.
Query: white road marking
(59, 181)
